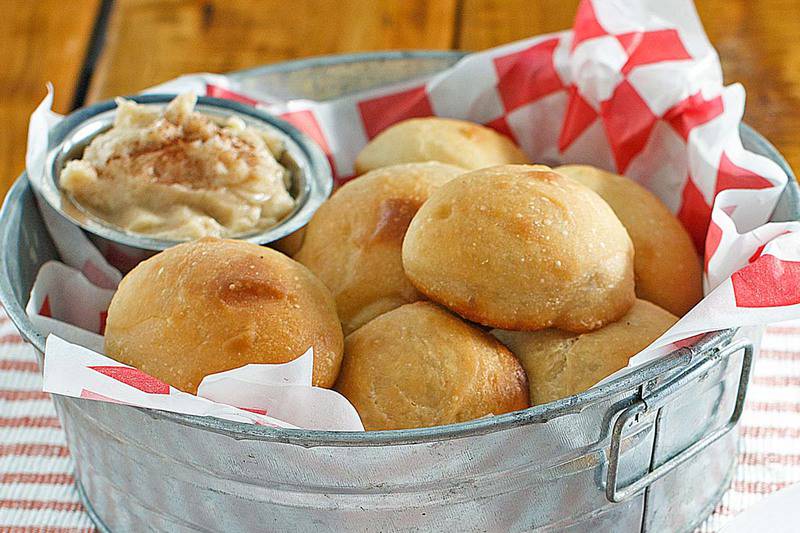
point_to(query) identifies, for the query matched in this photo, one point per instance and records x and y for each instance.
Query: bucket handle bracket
(657, 399)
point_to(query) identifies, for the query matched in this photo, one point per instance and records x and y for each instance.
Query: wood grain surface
(40, 41)
(488, 23)
(148, 41)
(153, 41)
(757, 43)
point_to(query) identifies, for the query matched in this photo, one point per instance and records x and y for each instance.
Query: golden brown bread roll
(353, 242)
(213, 305)
(420, 366)
(456, 142)
(560, 364)
(666, 265)
(521, 247)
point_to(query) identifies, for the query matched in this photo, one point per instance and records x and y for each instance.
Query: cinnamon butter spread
(178, 174)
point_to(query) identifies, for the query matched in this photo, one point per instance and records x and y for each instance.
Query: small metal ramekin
(311, 183)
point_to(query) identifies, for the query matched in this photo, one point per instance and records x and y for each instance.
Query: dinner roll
(521, 247)
(666, 265)
(419, 366)
(560, 364)
(353, 242)
(457, 142)
(213, 305)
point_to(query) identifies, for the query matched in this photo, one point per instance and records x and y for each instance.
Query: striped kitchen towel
(36, 482)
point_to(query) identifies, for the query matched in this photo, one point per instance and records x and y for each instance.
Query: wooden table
(93, 49)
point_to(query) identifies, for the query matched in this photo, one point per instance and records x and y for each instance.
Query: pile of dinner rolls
(450, 281)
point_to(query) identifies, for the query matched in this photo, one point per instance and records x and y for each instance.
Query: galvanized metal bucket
(650, 451)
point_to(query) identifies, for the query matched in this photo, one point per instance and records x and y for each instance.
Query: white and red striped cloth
(36, 483)
(37, 491)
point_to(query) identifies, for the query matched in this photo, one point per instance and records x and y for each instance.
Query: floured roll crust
(353, 242)
(420, 366)
(214, 305)
(175, 173)
(667, 267)
(521, 247)
(456, 142)
(560, 364)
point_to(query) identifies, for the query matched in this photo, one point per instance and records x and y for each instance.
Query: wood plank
(488, 23)
(151, 41)
(755, 40)
(40, 41)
